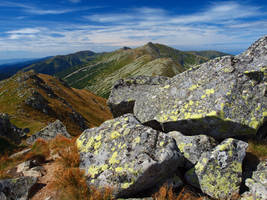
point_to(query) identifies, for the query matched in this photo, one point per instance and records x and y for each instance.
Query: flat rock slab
(127, 156)
(125, 92)
(223, 98)
(219, 173)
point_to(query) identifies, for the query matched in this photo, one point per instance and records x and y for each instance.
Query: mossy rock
(218, 173)
(127, 156)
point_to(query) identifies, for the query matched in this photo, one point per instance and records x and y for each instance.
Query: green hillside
(58, 63)
(209, 54)
(99, 74)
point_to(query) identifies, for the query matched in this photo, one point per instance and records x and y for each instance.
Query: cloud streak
(41, 11)
(221, 27)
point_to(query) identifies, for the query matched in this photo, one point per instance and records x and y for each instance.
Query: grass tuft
(258, 148)
(167, 193)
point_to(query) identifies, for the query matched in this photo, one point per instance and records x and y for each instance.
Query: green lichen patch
(121, 153)
(219, 172)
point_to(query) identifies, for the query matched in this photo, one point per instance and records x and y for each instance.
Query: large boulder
(127, 156)
(10, 131)
(50, 132)
(125, 92)
(17, 188)
(192, 147)
(219, 173)
(258, 182)
(225, 97)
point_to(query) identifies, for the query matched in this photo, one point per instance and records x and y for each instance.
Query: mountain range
(97, 72)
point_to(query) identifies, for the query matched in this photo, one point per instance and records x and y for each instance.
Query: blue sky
(38, 28)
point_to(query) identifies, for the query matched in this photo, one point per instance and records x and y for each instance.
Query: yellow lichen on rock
(209, 91)
(115, 134)
(113, 159)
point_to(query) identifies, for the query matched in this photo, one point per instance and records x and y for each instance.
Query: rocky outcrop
(30, 168)
(126, 91)
(50, 132)
(218, 173)
(258, 182)
(127, 156)
(17, 188)
(193, 147)
(38, 102)
(225, 97)
(9, 131)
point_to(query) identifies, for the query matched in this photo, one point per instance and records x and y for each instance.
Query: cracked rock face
(126, 91)
(17, 188)
(192, 147)
(225, 97)
(10, 131)
(127, 156)
(50, 132)
(258, 183)
(218, 173)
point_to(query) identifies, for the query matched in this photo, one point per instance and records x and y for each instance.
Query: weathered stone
(50, 132)
(35, 172)
(20, 153)
(17, 188)
(218, 173)
(225, 97)
(258, 183)
(192, 147)
(127, 156)
(8, 130)
(2, 196)
(29, 168)
(126, 91)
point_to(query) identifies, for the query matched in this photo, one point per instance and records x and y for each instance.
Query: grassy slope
(14, 93)
(100, 74)
(209, 54)
(59, 63)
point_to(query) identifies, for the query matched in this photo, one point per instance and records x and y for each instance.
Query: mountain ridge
(32, 100)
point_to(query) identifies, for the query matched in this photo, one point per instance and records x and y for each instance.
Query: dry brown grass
(68, 155)
(69, 180)
(39, 150)
(166, 193)
(258, 148)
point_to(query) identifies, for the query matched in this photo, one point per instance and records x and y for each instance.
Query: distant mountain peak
(125, 48)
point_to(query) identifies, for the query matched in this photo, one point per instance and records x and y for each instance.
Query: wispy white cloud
(25, 31)
(40, 11)
(222, 27)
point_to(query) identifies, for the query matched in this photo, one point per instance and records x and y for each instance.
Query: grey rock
(127, 156)
(225, 97)
(38, 102)
(258, 183)
(10, 131)
(30, 168)
(192, 147)
(50, 132)
(35, 172)
(21, 153)
(17, 188)
(219, 173)
(125, 92)
(2, 196)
